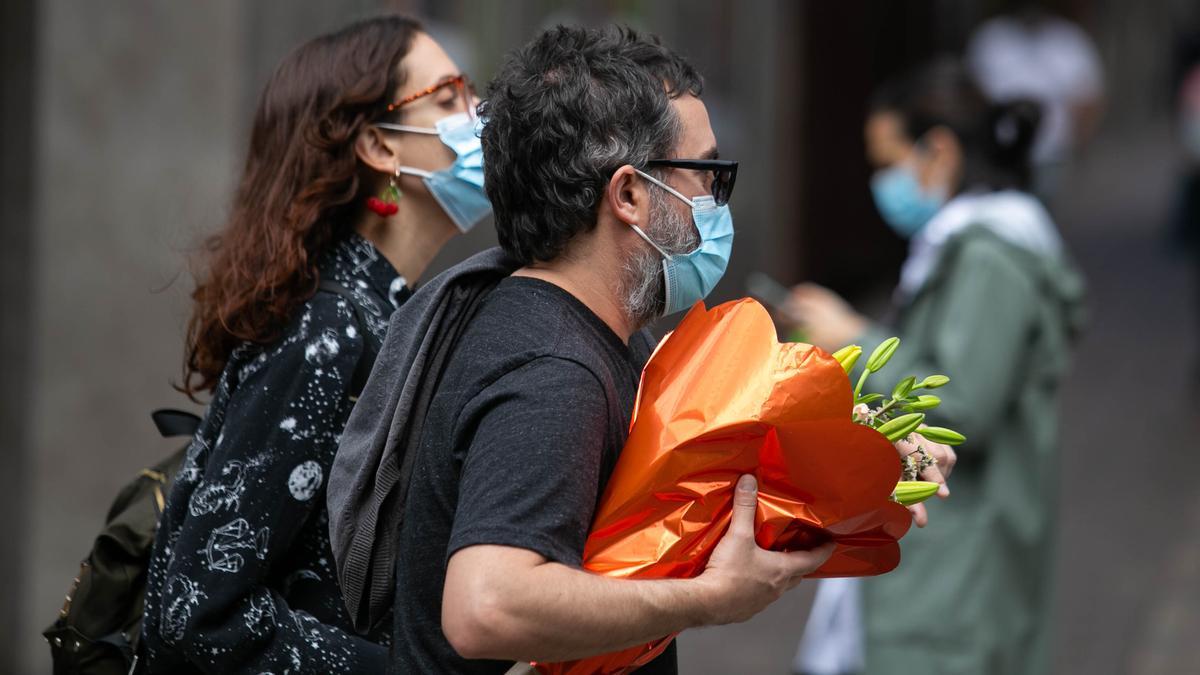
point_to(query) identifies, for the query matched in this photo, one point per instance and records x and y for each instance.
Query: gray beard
(642, 285)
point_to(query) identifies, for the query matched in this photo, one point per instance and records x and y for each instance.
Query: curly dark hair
(300, 191)
(563, 113)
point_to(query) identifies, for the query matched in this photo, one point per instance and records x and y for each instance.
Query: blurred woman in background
(363, 162)
(988, 297)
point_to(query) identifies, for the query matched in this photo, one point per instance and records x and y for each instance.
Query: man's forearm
(501, 602)
(568, 613)
(551, 612)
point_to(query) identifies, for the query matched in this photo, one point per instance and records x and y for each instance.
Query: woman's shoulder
(978, 258)
(323, 333)
(978, 245)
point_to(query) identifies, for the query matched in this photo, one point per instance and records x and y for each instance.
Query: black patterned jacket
(242, 579)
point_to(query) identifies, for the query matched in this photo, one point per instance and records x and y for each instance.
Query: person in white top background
(1032, 53)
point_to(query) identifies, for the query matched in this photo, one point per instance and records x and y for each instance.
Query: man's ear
(377, 149)
(626, 195)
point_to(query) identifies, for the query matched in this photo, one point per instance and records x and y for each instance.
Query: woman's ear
(626, 196)
(377, 149)
(944, 164)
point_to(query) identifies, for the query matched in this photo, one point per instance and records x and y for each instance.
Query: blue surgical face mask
(459, 187)
(904, 205)
(690, 277)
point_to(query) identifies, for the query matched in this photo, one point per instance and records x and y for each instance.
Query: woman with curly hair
(363, 162)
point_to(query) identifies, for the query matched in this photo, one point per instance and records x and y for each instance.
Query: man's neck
(593, 282)
(409, 240)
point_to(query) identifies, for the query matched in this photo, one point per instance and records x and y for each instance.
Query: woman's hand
(827, 320)
(937, 471)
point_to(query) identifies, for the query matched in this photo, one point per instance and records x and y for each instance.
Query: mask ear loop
(420, 173)
(666, 187)
(666, 258)
(413, 171)
(407, 127)
(643, 235)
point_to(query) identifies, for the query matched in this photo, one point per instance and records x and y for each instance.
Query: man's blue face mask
(458, 188)
(690, 277)
(904, 205)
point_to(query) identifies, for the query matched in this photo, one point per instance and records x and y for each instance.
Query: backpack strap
(172, 423)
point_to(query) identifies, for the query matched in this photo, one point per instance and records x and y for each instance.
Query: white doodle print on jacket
(225, 493)
(241, 578)
(260, 618)
(305, 480)
(192, 469)
(226, 542)
(185, 596)
(309, 627)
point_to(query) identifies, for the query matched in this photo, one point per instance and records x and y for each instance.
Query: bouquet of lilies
(899, 415)
(721, 397)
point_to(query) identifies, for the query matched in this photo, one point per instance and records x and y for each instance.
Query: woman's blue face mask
(901, 200)
(458, 188)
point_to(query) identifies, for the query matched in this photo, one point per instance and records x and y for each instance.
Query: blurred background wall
(123, 128)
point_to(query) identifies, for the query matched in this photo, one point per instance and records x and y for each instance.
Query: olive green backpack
(100, 623)
(99, 627)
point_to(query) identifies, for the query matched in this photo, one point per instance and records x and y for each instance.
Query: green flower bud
(902, 426)
(882, 354)
(924, 403)
(911, 492)
(870, 398)
(942, 435)
(933, 382)
(848, 356)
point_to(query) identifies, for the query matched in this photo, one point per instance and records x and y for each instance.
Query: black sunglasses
(724, 173)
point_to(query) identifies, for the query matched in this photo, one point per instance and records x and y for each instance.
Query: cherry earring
(388, 201)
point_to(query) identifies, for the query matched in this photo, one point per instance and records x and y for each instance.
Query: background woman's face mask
(458, 188)
(901, 200)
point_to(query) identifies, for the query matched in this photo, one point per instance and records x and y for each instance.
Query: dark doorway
(17, 47)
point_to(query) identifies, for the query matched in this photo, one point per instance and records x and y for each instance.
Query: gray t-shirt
(521, 436)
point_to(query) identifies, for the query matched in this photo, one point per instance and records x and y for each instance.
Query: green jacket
(972, 592)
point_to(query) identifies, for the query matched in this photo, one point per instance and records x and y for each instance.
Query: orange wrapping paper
(722, 397)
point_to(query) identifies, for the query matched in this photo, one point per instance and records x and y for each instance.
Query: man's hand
(741, 579)
(937, 472)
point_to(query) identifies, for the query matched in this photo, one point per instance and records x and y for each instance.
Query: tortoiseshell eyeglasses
(464, 91)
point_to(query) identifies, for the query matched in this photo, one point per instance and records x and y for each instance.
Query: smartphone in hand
(769, 291)
(778, 298)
